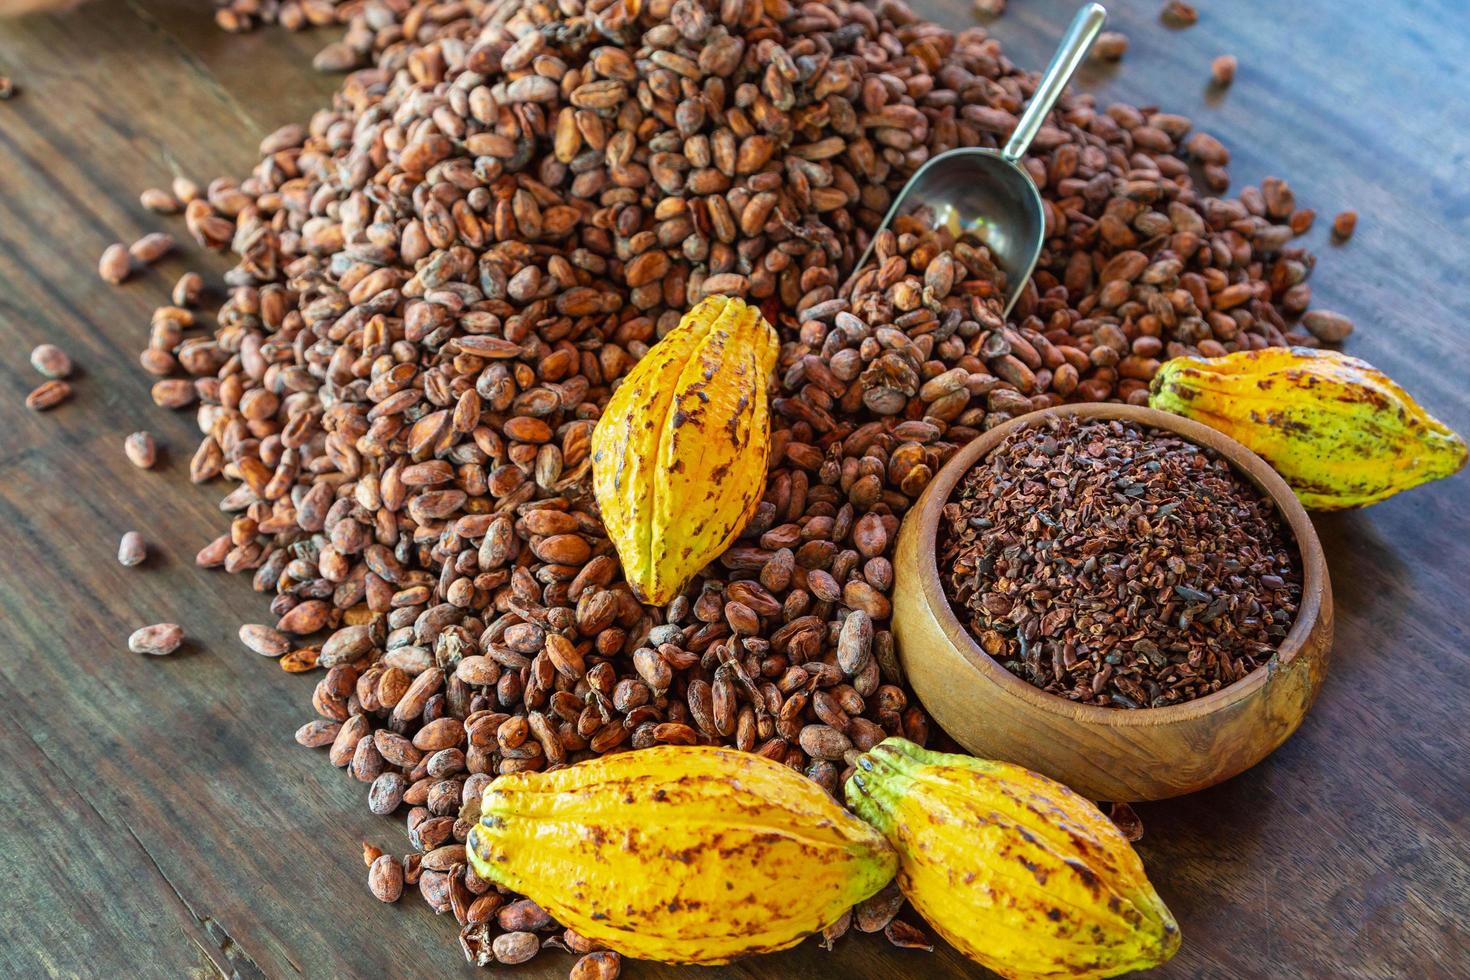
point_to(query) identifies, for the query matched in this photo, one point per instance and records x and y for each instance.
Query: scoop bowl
(987, 193)
(982, 193)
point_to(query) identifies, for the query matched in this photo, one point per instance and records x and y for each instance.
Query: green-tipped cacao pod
(1337, 429)
(1018, 872)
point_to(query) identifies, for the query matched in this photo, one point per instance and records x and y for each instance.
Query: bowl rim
(1243, 460)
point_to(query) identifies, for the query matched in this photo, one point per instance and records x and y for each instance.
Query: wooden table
(159, 819)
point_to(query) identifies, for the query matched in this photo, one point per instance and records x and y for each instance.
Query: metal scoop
(987, 193)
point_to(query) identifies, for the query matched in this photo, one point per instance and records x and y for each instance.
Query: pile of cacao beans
(442, 275)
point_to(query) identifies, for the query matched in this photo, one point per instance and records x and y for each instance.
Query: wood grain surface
(159, 819)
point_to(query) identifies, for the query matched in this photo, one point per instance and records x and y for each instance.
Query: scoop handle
(1074, 47)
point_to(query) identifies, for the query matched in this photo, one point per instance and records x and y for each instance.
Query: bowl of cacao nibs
(1119, 598)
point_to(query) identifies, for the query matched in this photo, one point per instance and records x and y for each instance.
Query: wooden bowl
(1115, 754)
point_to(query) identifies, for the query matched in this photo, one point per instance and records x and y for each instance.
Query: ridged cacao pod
(1337, 429)
(680, 854)
(679, 454)
(1018, 872)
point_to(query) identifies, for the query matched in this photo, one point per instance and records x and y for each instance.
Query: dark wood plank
(98, 881)
(168, 820)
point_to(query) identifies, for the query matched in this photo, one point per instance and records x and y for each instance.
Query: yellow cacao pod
(1337, 429)
(1018, 872)
(681, 854)
(679, 454)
